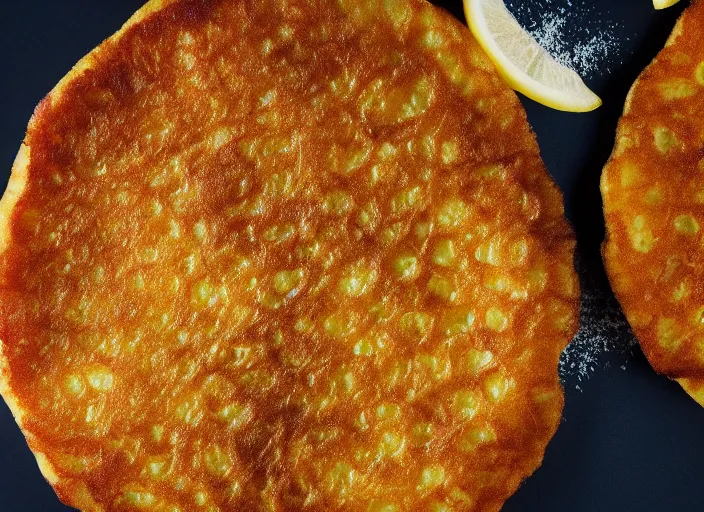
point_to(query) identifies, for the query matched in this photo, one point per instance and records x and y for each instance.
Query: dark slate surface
(629, 441)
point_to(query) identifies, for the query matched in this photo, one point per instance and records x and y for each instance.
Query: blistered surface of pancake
(287, 256)
(653, 190)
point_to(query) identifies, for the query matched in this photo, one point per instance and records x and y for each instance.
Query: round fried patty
(285, 255)
(653, 189)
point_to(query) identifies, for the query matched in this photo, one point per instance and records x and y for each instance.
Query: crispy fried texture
(258, 257)
(653, 190)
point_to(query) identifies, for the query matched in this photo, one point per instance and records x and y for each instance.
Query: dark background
(629, 441)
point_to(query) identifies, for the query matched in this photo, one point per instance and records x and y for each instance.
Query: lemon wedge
(663, 4)
(523, 63)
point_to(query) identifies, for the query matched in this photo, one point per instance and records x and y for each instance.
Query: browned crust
(70, 491)
(73, 491)
(607, 246)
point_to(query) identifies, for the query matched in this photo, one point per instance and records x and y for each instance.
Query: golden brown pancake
(267, 255)
(653, 190)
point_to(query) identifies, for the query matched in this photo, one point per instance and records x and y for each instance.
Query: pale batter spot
(677, 88)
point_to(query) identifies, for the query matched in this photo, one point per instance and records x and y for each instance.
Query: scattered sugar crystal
(604, 336)
(573, 33)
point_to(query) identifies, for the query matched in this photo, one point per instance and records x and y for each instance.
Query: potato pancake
(284, 255)
(653, 190)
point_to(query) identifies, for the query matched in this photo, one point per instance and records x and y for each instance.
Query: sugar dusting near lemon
(523, 63)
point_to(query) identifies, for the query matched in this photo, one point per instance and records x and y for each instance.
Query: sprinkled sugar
(575, 35)
(604, 336)
(584, 40)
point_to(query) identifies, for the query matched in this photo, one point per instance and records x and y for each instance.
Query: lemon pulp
(663, 4)
(523, 63)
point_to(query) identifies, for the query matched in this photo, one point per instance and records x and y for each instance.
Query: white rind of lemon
(664, 4)
(523, 63)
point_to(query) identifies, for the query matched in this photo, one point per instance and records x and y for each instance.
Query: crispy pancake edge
(74, 492)
(608, 249)
(69, 491)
